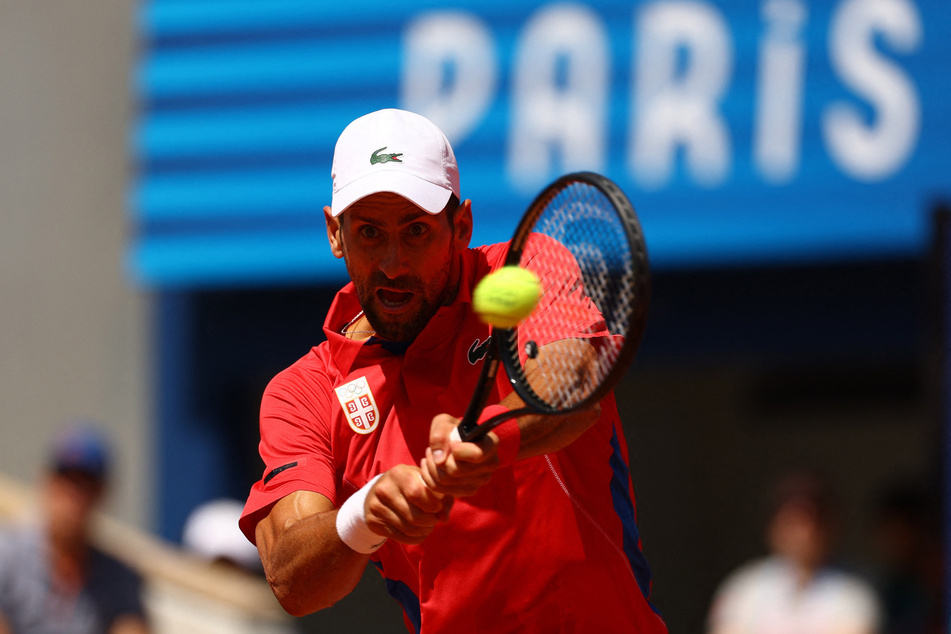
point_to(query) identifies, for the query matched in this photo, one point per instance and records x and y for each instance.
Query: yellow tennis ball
(506, 296)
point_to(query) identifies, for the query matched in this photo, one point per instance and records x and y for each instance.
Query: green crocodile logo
(376, 157)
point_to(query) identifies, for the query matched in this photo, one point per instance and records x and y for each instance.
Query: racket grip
(490, 367)
(469, 426)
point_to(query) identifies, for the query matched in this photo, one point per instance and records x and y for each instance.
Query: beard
(429, 296)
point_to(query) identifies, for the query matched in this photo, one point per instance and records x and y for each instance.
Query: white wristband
(352, 523)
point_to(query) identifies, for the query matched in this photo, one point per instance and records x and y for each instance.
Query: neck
(359, 329)
(68, 559)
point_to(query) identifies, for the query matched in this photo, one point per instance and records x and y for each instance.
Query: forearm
(541, 435)
(307, 565)
(561, 372)
(455, 468)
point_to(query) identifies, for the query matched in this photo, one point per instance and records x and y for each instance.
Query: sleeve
(734, 597)
(859, 608)
(296, 443)
(116, 589)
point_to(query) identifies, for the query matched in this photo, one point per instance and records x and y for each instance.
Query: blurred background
(163, 166)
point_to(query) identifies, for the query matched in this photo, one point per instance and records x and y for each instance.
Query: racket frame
(504, 341)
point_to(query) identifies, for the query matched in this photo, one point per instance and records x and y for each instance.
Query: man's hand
(308, 565)
(456, 468)
(401, 506)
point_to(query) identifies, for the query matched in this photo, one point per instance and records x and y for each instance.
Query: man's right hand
(308, 566)
(400, 506)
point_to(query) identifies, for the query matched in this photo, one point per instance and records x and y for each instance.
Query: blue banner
(745, 132)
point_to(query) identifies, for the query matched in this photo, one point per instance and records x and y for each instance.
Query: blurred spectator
(795, 590)
(908, 544)
(52, 580)
(211, 532)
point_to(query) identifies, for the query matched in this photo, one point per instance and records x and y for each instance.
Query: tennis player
(530, 530)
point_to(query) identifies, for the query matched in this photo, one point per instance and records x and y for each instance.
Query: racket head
(582, 238)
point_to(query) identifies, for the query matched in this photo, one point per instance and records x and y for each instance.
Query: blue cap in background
(80, 447)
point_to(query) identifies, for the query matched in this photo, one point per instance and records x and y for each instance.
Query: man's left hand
(457, 468)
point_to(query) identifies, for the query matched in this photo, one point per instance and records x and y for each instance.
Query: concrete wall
(73, 333)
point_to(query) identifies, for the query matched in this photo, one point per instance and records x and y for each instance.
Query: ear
(333, 233)
(462, 224)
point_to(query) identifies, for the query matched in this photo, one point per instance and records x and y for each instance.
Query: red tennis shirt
(550, 544)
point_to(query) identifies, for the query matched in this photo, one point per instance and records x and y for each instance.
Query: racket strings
(579, 249)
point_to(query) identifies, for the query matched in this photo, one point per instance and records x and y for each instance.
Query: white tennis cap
(211, 532)
(394, 151)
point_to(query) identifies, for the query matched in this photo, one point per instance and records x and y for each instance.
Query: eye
(368, 231)
(418, 229)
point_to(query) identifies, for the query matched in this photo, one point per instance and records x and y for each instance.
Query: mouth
(393, 300)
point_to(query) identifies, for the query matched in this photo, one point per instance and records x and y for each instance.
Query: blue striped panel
(271, 66)
(231, 195)
(217, 259)
(169, 18)
(406, 598)
(624, 507)
(244, 89)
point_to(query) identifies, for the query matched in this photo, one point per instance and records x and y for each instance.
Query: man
(51, 578)
(530, 530)
(796, 588)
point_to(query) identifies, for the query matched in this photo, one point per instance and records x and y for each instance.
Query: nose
(395, 260)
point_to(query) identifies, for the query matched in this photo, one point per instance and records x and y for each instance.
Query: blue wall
(745, 132)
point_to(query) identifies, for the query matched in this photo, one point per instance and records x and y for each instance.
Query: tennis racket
(582, 239)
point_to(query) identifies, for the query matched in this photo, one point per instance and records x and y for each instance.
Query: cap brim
(427, 196)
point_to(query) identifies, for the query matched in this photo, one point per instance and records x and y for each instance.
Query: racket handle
(469, 426)
(470, 420)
